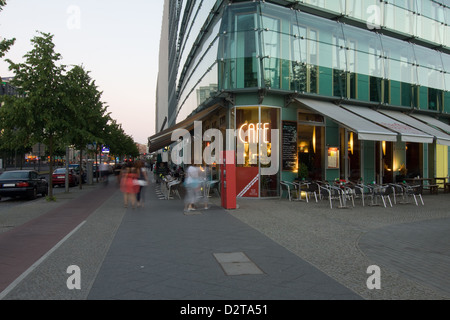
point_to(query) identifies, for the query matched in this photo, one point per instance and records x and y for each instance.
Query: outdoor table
(442, 182)
(420, 180)
(430, 185)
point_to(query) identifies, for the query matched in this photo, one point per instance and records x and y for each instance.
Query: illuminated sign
(333, 158)
(253, 132)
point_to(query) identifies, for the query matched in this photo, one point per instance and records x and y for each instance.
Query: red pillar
(228, 180)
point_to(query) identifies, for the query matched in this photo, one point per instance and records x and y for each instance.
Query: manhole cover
(236, 264)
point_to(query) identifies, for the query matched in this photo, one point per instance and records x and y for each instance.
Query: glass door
(256, 151)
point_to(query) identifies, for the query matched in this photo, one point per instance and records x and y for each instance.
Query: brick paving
(304, 250)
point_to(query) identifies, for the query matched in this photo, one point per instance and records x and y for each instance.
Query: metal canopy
(441, 137)
(164, 138)
(365, 129)
(433, 122)
(407, 133)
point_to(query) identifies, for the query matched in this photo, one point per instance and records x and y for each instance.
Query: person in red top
(129, 187)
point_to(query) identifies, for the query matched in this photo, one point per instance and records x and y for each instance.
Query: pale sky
(117, 41)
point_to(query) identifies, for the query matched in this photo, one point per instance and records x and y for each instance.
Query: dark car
(76, 168)
(59, 177)
(22, 183)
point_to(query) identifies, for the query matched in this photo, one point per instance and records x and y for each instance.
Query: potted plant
(302, 171)
(402, 173)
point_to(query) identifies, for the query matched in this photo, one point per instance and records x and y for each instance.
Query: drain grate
(236, 264)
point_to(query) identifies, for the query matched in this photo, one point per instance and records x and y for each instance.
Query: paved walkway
(265, 250)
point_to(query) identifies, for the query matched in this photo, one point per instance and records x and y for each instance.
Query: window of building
(344, 67)
(255, 149)
(311, 145)
(435, 99)
(305, 62)
(271, 51)
(350, 168)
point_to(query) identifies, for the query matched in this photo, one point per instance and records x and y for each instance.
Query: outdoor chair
(308, 188)
(331, 193)
(384, 193)
(398, 191)
(172, 188)
(313, 188)
(213, 185)
(348, 194)
(415, 192)
(289, 187)
(360, 192)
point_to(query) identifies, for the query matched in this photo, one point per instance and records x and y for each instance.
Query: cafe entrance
(255, 151)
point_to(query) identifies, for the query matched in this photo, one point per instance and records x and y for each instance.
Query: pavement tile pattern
(294, 250)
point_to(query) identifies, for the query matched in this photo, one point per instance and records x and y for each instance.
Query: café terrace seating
(344, 194)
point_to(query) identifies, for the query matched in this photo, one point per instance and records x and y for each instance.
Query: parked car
(76, 168)
(22, 183)
(59, 177)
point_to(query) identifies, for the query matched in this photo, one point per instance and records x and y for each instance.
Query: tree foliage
(56, 107)
(40, 114)
(5, 44)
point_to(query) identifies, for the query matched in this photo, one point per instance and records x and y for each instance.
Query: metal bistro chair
(415, 192)
(313, 189)
(172, 188)
(212, 185)
(399, 192)
(360, 191)
(348, 193)
(331, 193)
(384, 192)
(308, 188)
(289, 187)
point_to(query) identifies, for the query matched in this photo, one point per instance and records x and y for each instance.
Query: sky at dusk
(117, 41)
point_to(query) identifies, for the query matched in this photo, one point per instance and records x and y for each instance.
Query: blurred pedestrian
(104, 172)
(193, 188)
(129, 186)
(142, 182)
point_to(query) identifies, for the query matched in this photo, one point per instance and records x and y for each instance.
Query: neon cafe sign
(253, 132)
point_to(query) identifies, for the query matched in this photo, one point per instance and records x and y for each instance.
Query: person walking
(129, 186)
(193, 186)
(142, 181)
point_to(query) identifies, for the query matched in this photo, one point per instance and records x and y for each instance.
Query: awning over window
(164, 138)
(432, 122)
(408, 133)
(365, 129)
(441, 137)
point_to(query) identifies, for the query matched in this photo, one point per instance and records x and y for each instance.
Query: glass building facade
(256, 62)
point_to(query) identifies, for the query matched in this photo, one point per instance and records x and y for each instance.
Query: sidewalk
(265, 250)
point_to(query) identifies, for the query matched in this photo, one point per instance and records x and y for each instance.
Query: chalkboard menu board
(289, 146)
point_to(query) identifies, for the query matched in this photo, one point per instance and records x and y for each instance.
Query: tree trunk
(50, 172)
(81, 169)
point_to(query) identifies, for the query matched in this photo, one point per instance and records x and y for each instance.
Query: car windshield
(14, 175)
(60, 171)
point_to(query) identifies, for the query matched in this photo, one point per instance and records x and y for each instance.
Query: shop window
(254, 151)
(350, 156)
(247, 120)
(311, 151)
(385, 162)
(414, 161)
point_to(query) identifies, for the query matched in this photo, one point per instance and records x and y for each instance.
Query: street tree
(41, 114)
(87, 111)
(119, 142)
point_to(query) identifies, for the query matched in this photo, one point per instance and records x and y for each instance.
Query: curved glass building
(357, 90)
